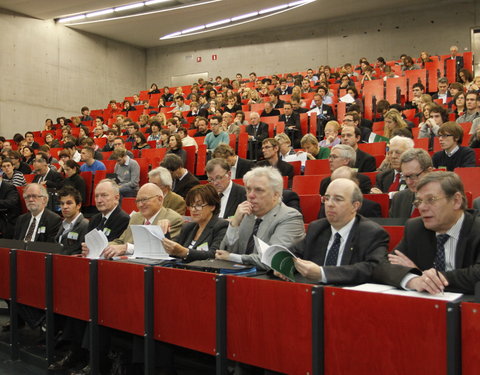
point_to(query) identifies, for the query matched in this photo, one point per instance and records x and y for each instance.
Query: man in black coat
(292, 124)
(441, 249)
(238, 165)
(183, 180)
(271, 152)
(344, 155)
(111, 219)
(39, 223)
(257, 132)
(46, 176)
(343, 248)
(231, 194)
(9, 208)
(351, 135)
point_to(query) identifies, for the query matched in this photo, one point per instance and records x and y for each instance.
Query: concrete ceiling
(145, 31)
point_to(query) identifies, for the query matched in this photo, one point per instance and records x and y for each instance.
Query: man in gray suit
(263, 214)
(414, 164)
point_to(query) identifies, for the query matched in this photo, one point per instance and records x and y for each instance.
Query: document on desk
(446, 296)
(371, 287)
(148, 242)
(96, 242)
(277, 257)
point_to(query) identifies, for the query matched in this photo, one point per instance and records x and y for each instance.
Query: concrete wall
(334, 42)
(51, 70)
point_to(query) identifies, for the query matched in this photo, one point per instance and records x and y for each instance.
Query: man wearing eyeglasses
(39, 223)
(344, 247)
(231, 194)
(453, 154)
(414, 164)
(441, 249)
(151, 212)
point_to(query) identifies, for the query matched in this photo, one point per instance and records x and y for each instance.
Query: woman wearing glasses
(200, 238)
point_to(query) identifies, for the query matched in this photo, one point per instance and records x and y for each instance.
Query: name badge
(72, 235)
(106, 231)
(203, 247)
(41, 230)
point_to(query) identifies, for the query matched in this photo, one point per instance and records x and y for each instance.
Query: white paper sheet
(96, 242)
(371, 287)
(147, 241)
(446, 296)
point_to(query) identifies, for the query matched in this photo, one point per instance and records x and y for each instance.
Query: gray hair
(408, 142)
(347, 152)
(450, 183)
(272, 174)
(443, 80)
(164, 175)
(112, 183)
(43, 190)
(418, 154)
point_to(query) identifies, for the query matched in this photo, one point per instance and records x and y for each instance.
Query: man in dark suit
(442, 92)
(271, 152)
(344, 155)
(46, 176)
(390, 181)
(111, 219)
(283, 88)
(292, 124)
(9, 208)
(351, 135)
(238, 165)
(441, 249)
(257, 132)
(39, 223)
(323, 112)
(414, 164)
(183, 180)
(231, 194)
(458, 59)
(269, 111)
(343, 248)
(275, 100)
(74, 226)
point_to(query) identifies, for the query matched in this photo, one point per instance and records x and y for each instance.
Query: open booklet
(277, 257)
(148, 242)
(387, 289)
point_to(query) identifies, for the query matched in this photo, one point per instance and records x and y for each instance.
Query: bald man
(151, 212)
(344, 247)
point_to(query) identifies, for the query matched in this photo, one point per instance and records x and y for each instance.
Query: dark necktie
(395, 184)
(439, 261)
(30, 230)
(332, 256)
(101, 226)
(251, 241)
(220, 195)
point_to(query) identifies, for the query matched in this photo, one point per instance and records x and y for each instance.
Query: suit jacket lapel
(323, 243)
(462, 241)
(349, 248)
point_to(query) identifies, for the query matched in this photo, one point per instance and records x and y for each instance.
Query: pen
(438, 275)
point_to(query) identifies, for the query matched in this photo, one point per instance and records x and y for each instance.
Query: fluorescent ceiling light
(100, 13)
(295, 3)
(192, 29)
(73, 18)
(274, 9)
(153, 2)
(172, 35)
(218, 23)
(243, 16)
(128, 7)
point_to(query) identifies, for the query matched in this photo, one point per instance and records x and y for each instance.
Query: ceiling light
(218, 23)
(100, 13)
(128, 7)
(243, 16)
(274, 9)
(301, 2)
(153, 2)
(73, 18)
(192, 29)
(172, 35)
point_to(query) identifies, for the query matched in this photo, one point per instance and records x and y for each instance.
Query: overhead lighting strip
(234, 21)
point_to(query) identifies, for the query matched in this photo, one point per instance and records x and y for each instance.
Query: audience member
(453, 155)
(163, 179)
(183, 180)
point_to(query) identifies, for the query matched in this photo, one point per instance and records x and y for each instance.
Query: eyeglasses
(430, 201)
(412, 177)
(335, 199)
(197, 207)
(216, 179)
(144, 200)
(32, 196)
